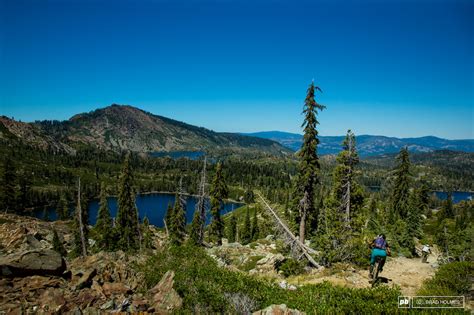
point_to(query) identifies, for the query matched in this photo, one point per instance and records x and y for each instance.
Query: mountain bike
(377, 269)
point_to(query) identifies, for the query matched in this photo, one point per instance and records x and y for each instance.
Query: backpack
(380, 243)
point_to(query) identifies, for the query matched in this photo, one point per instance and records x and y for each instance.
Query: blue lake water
(153, 206)
(193, 155)
(457, 196)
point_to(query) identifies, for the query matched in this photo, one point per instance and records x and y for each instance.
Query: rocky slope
(120, 127)
(36, 279)
(15, 131)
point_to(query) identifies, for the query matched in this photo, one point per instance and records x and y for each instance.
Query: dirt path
(407, 273)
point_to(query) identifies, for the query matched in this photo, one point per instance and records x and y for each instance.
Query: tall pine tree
(232, 229)
(255, 231)
(103, 226)
(246, 235)
(178, 228)
(196, 236)
(309, 167)
(401, 190)
(218, 192)
(81, 219)
(127, 216)
(345, 188)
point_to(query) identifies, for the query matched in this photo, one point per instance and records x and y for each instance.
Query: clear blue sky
(396, 68)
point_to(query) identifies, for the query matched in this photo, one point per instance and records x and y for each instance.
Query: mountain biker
(426, 250)
(381, 249)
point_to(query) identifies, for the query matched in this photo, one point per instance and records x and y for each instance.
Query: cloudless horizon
(392, 68)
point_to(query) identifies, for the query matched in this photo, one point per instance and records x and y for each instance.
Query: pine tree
(199, 218)
(8, 186)
(57, 244)
(195, 231)
(414, 222)
(447, 210)
(401, 191)
(147, 240)
(246, 235)
(103, 226)
(81, 231)
(218, 192)
(127, 215)
(249, 196)
(62, 209)
(255, 231)
(344, 185)
(232, 229)
(178, 229)
(169, 219)
(309, 165)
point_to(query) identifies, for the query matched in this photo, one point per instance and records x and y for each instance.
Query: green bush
(206, 288)
(290, 267)
(251, 263)
(450, 280)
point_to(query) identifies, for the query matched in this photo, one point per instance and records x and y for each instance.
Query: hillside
(119, 127)
(369, 145)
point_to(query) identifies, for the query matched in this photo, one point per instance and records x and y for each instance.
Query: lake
(153, 206)
(193, 155)
(457, 196)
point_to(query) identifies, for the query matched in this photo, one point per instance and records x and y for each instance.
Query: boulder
(164, 298)
(84, 279)
(34, 262)
(115, 288)
(278, 310)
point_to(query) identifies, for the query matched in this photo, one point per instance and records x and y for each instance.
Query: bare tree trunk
(166, 228)
(81, 225)
(303, 212)
(202, 201)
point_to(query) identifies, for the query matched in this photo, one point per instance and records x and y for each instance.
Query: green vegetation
(290, 267)
(103, 228)
(218, 193)
(452, 279)
(308, 168)
(206, 288)
(128, 230)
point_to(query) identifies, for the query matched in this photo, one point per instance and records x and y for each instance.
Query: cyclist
(380, 248)
(425, 252)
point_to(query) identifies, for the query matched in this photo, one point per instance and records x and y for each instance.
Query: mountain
(370, 145)
(123, 127)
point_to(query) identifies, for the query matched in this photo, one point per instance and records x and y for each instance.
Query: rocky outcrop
(35, 262)
(278, 310)
(164, 298)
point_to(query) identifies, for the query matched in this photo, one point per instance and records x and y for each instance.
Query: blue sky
(395, 68)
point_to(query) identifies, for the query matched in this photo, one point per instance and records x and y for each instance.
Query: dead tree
(201, 205)
(79, 214)
(351, 160)
(298, 249)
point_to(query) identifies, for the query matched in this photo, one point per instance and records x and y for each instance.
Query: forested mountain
(369, 145)
(119, 127)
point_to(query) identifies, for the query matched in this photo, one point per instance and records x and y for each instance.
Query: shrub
(251, 263)
(290, 267)
(450, 280)
(206, 288)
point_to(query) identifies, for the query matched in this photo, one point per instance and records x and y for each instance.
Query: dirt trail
(407, 273)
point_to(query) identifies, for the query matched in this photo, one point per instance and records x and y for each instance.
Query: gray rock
(34, 262)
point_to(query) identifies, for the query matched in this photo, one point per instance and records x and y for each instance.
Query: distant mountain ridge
(369, 145)
(123, 127)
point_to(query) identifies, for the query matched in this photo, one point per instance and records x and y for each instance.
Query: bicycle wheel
(376, 271)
